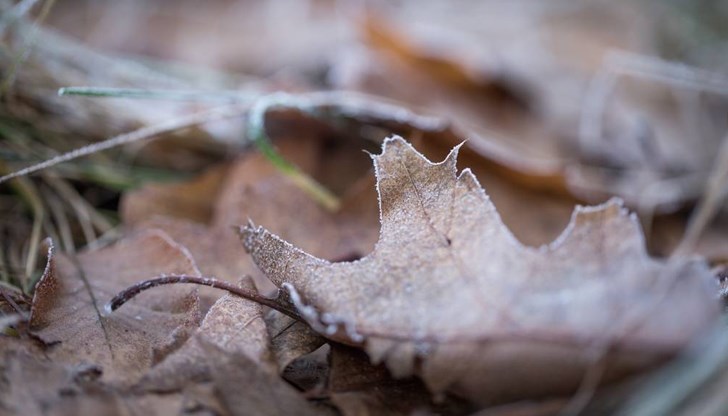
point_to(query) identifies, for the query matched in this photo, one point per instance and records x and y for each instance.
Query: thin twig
(135, 136)
(130, 292)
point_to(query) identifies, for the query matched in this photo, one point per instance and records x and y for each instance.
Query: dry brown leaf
(246, 388)
(534, 214)
(32, 385)
(192, 200)
(515, 81)
(253, 187)
(493, 110)
(234, 325)
(451, 295)
(668, 232)
(290, 338)
(309, 373)
(359, 388)
(67, 310)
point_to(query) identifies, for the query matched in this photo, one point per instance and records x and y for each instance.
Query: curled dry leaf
(67, 309)
(449, 294)
(234, 326)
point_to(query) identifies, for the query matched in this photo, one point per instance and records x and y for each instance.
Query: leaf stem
(127, 294)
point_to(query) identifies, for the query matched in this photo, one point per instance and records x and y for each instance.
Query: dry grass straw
(37, 125)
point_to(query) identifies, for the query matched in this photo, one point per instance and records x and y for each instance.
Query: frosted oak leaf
(449, 294)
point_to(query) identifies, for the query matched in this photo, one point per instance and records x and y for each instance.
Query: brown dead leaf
(252, 187)
(32, 385)
(234, 326)
(246, 388)
(533, 214)
(359, 388)
(310, 373)
(255, 189)
(669, 230)
(67, 310)
(480, 100)
(525, 102)
(290, 338)
(449, 294)
(192, 200)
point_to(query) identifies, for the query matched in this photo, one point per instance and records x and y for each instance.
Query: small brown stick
(130, 292)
